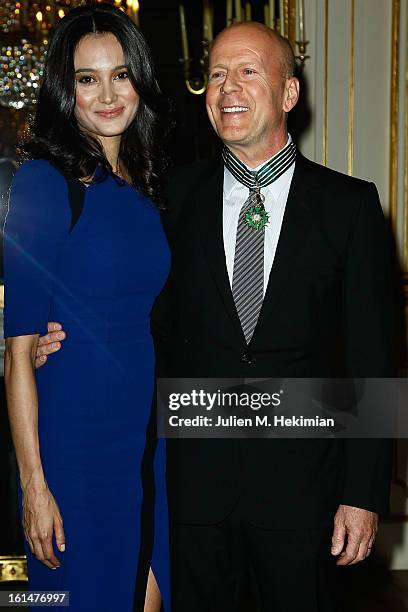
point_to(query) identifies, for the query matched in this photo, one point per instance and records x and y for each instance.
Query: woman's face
(105, 99)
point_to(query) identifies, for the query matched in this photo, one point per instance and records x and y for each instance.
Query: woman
(81, 427)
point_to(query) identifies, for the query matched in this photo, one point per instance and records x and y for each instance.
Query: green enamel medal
(256, 216)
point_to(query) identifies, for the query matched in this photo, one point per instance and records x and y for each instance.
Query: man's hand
(50, 343)
(354, 534)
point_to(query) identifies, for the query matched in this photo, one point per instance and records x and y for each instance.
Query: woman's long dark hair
(54, 133)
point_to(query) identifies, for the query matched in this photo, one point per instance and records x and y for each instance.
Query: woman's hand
(41, 516)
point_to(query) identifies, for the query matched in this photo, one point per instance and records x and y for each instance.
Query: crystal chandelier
(24, 32)
(20, 73)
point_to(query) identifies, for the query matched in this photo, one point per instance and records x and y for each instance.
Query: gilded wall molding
(394, 108)
(290, 22)
(13, 568)
(350, 144)
(325, 83)
(405, 198)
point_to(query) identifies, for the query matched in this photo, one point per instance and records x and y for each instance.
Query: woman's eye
(249, 71)
(86, 79)
(216, 75)
(122, 75)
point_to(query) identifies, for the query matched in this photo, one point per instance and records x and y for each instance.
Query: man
(307, 294)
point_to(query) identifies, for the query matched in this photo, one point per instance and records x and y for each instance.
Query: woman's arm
(35, 230)
(22, 405)
(41, 515)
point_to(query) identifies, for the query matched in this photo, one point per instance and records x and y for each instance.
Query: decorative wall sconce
(285, 16)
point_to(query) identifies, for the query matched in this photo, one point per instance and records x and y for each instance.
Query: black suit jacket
(327, 311)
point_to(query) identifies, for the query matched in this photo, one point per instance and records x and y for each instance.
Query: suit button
(247, 358)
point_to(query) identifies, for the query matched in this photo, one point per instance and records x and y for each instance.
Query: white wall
(351, 131)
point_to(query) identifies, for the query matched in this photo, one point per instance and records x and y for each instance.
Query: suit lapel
(210, 213)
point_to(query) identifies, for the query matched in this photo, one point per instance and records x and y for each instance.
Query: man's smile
(234, 109)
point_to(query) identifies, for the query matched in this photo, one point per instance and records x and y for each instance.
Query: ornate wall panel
(357, 85)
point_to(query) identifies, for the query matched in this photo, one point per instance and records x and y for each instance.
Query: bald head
(279, 46)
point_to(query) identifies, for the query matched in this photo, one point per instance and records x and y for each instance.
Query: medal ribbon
(270, 172)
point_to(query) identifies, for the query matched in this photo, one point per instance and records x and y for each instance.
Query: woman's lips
(110, 114)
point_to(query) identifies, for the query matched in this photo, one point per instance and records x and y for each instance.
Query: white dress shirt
(235, 194)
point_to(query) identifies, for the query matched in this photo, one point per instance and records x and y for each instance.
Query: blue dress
(100, 456)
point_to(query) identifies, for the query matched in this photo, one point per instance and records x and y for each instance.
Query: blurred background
(352, 60)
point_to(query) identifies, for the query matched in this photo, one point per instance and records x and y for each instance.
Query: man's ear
(292, 89)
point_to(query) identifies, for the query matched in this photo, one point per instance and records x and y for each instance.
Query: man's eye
(249, 71)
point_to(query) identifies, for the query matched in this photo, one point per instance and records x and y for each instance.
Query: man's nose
(107, 94)
(230, 85)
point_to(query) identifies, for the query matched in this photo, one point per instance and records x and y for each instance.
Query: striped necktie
(248, 274)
